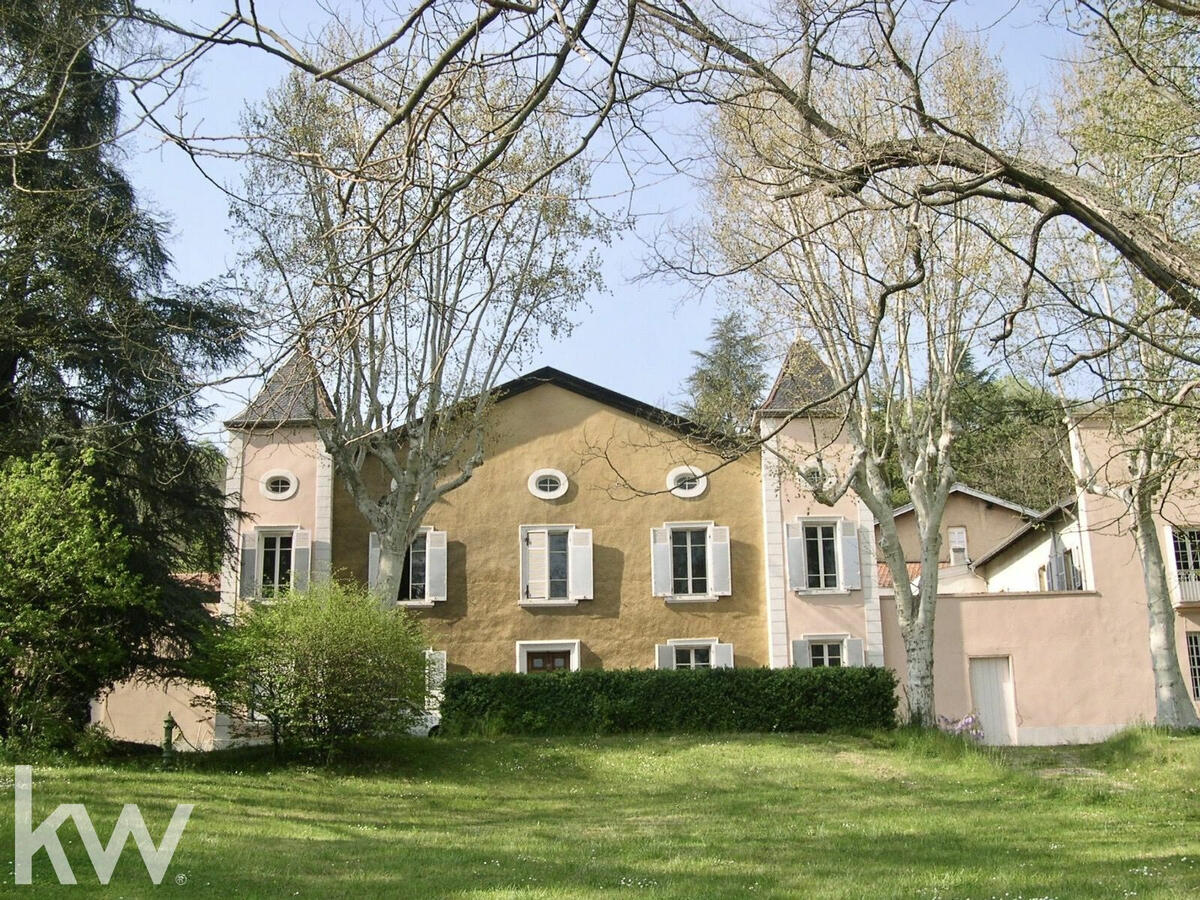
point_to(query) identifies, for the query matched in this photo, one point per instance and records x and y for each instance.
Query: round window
(278, 485)
(547, 484)
(687, 481)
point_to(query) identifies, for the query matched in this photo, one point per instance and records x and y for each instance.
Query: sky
(636, 336)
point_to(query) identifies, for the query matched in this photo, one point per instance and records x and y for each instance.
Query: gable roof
(287, 397)
(293, 394)
(1036, 522)
(647, 411)
(959, 488)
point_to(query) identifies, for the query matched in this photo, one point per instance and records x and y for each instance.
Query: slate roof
(803, 380)
(288, 397)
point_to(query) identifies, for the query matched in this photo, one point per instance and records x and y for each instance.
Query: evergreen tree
(728, 381)
(98, 348)
(1009, 441)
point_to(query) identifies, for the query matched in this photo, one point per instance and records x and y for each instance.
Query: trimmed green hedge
(595, 701)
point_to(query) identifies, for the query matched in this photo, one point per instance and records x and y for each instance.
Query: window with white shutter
(827, 651)
(814, 560)
(690, 561)
(422, 572)
(556, 564)
(693, 653)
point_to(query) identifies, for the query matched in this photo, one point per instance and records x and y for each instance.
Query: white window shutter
(372, 560)
(249, 564)
(802, 654)
(580, 571)
(720, 581)
(535, 555)
(722, 656)
(851, 579)
(660, 561)
(854, 652)
(797, 574)
(301, 558)
(1168, 553)
(435, 565)
(664, 656)
(435, 678)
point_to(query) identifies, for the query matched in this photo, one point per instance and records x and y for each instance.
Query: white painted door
(993, 698)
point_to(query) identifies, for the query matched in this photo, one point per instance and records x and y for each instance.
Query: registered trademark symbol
(181, 878)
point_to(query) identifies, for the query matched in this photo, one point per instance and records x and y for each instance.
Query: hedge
(595, 701)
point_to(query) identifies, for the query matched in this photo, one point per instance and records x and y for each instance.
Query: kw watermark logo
(30, 840)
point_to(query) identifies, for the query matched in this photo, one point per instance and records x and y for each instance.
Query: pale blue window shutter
(660, 561)
(722, 656)
(301, 558)
(854, 652)
(580, 545)
(852, 574)
(435, 565)
(797, 576)
(802, 654)
(664, 656)
(249, 565)
(373, 560)
(719, 574)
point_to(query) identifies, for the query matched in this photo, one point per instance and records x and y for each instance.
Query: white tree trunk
(918, 650)
(1172, 704)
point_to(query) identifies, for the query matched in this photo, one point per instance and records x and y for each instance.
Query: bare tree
(1134, 441)
(409, 321)
(901, 55)
(890, 301)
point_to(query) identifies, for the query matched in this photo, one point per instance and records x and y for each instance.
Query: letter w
(104, 859)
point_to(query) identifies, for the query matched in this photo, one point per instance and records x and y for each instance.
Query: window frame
(839, 569)
(261, 535)
(524, 647)
(1192, 644)
(538, 474)
(692, 645)
(695, 472)
(567, 528)
(690, 578)
(422, 532)
(269, 476)
(826, 646)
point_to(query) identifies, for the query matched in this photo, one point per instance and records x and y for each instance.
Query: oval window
(687, 481)
(278, 485)
(547, 484)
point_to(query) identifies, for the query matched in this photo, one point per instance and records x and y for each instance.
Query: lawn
(700, 816)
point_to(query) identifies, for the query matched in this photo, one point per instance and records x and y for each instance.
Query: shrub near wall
(594, 701)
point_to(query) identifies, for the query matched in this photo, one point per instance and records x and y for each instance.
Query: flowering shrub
(968, 726)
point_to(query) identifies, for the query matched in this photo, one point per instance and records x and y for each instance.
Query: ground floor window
(1193, 649)
(547, 660)
(825, 654)
(693, 657)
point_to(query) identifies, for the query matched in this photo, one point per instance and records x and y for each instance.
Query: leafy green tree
(729, 378)
(66, 591)
(318, 667)
(99, 349)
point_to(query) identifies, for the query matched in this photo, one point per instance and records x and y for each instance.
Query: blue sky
(637, 337)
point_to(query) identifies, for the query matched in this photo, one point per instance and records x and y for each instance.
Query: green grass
(897, 814)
